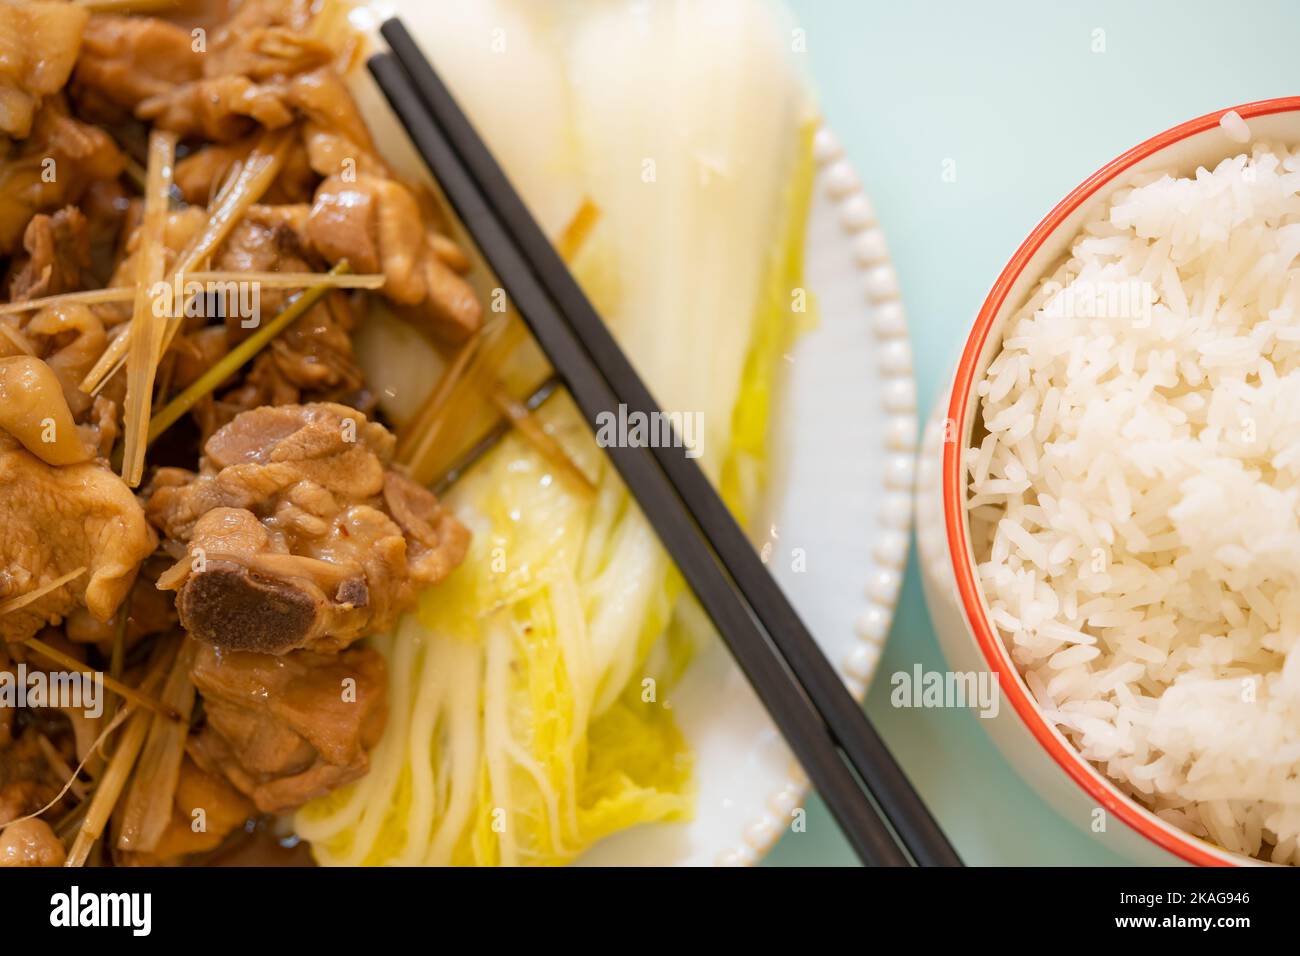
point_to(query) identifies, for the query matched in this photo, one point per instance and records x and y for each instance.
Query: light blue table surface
(1014, 95)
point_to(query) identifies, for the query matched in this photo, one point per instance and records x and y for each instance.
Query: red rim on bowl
(1187, 847)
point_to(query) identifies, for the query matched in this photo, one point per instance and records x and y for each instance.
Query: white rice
(1136, 502)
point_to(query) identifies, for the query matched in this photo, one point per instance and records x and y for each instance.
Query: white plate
(844, 457)
(843, 461)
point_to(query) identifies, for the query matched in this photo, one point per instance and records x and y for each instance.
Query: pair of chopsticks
(880, 813)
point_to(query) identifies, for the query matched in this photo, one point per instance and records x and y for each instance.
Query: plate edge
(884, 307)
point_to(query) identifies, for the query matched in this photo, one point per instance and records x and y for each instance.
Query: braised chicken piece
(267, 38)
(286, 728)
(311, 361)
(56, 256)
(240, 85)
(148, 611)
(126, 60)
(218, 108)
(375, 223)
(57, 164)
(298, 534)
(30, 843)
(101, 426)
(388, 226)
(200, 174)
(38, 47)
(59, 343)
(68, 339)
(34, 412)
(61, 510)
(201, 797)
(61, 519)
(268, 239)
(210, 88)
(360, 211)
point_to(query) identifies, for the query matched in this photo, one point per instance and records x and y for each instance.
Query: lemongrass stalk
(124, 691)
(147, 327)
(110, 787)
(122, 7)
(533, 432)
(293, 280)
(259, 171)
(426, 424)
(235, 359)
(22, 600)
(147, 809)
(91, 297)
(244, 188)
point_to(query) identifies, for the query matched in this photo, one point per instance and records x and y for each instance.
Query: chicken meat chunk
(56, 256)
(62, 511)
(375, 224)
(30, 842)
(296, 532)
(284, 729)
(126, 60)
(224, 809)
(62, 161)
(39, 42)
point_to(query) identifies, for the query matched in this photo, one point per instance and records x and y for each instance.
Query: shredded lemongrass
(95, 750)
(233, 360)
(536, 435)
(245, 187)
(458, 392)
(578, 230)
(60, 766)
(117, 661)
(128, 6)
(148, 806)
(473, 374)
(255, 177)
(22, 600)
(147, 325)
(109, 788)
(117, 658)
(17, 338)
(133, 171)
(91, 297)
(411, 445)
(294, 280)
(124, 691)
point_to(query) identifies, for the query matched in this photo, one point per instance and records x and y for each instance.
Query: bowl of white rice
(1109, 501)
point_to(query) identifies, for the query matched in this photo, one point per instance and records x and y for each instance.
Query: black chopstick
(451, 132)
